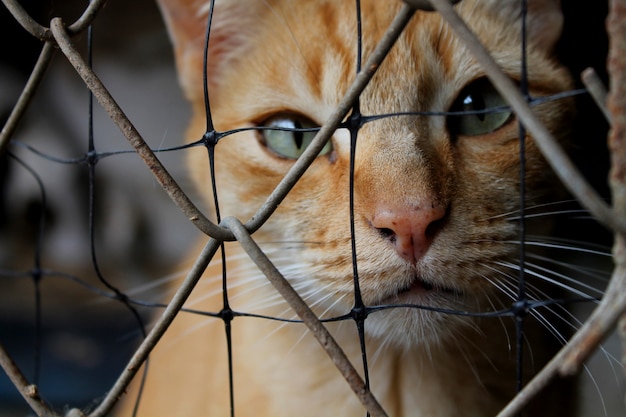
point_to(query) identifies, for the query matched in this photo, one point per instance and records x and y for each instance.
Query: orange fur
(298, 56)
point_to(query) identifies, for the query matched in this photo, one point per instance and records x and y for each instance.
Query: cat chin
(419, 290)
(406, 287)
(414, 328)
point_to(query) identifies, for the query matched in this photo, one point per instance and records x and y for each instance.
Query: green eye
(289, 136)
(485, 104)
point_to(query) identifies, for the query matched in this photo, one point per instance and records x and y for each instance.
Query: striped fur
(299, 57)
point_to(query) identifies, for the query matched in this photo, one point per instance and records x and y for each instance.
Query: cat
(436, 202)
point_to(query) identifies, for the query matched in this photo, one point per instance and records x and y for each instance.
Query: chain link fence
(48, 284)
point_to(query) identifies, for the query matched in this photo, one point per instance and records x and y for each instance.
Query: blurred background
(139, 234)
(85, 339)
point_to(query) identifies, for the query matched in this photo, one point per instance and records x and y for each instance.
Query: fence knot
(520, 308)
(359, 313)
(92, 157)
(210, 138)
(227, 314)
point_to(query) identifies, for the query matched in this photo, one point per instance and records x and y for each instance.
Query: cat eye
(487, 110)
(290, 135)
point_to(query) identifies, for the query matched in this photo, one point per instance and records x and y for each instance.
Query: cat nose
(409, 230)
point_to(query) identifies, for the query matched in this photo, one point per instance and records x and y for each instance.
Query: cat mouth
(420, 290)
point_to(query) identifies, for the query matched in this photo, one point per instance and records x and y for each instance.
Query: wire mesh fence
(115, 220)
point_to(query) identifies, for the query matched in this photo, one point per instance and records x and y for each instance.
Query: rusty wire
(114, 111)
(28, 391)
(158, 330)
(43, 33)
(27, 94)
(569, 360)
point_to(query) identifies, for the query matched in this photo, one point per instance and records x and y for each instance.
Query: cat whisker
(555, 244)
(565, 244)
(581, 214)
(536, 294)
(597, 388)
(306, 330)
(295, 317)
(502, 306)
(595, 274)
(570, 320)
(290, 244)
(511, 291)
(463, 349)
(248, 279)
(499, 284)
(154, 284)
(172, 342)
(531, 210)
(569, 245)
(537, 274)
(541, 273)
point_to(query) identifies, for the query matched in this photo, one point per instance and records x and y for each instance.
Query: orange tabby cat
(435, 203)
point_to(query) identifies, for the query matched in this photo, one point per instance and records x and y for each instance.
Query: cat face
(434, 196)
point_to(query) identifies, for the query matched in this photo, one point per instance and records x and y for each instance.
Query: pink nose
(410, 230)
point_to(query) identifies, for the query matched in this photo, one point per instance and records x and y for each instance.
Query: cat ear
(544, 23)
(186, 21)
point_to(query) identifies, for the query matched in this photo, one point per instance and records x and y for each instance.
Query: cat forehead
(314, 63)
(313, 44)
(301, 56)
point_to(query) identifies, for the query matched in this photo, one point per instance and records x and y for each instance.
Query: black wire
(521, 306)
(364, 119)
(36, 274)
(359, 311)
(92, 159)
(210, 140)
(205, 83)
